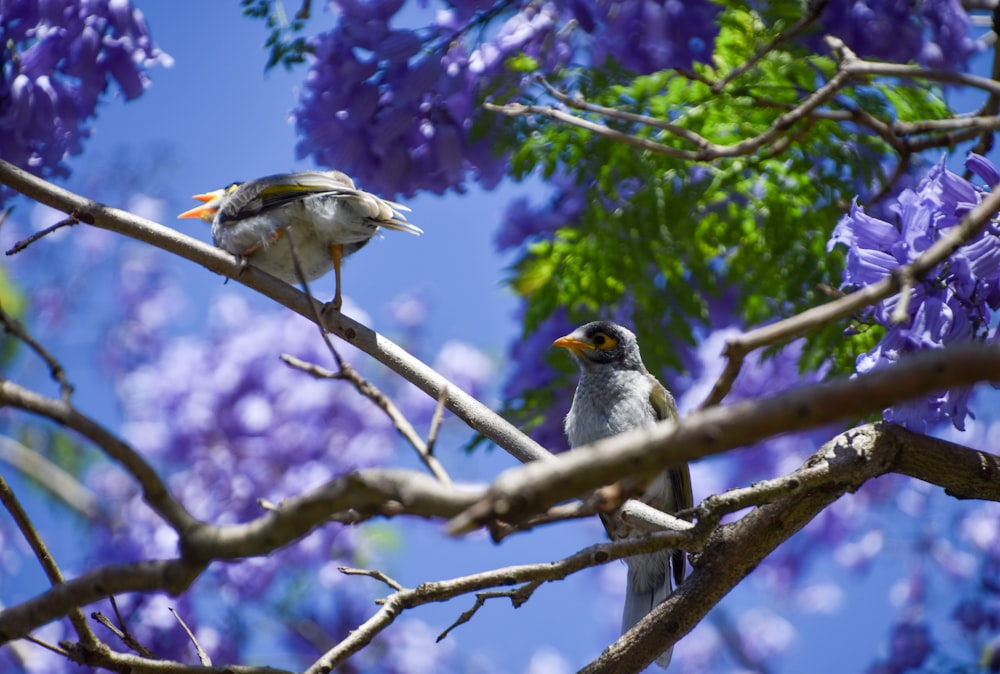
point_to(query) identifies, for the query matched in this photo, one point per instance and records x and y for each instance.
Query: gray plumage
(319, 208)
(616, 393)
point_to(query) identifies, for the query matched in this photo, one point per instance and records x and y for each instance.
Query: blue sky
(225, 119)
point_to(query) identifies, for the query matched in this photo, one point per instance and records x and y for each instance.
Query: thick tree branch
(154, 491)
(173, 576)
(527, 490)
(464, 406)
(365, 494)
(733, 550)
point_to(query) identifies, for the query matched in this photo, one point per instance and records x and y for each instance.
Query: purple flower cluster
(56, 61)
(647, 36)
(935, 35)
(909, 647)
(400, 109)
(952, 304)
(228, 424)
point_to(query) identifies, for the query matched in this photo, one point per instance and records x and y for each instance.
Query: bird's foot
(330, 308)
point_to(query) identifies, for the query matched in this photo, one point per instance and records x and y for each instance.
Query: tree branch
(524, 491)
(733, 550)
(464, 406)
(738, 347)
(364, 494)
(154, 491)
(44, 557)
(173, 576)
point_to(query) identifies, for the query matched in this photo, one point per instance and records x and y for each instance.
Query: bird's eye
(604, 341)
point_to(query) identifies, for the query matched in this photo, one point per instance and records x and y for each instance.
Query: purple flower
(401, 110)
(909, 647)
(935, 35)
(56, 61)
(952, 304)
(646, 36)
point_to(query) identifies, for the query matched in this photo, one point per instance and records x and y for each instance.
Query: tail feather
(649, 583)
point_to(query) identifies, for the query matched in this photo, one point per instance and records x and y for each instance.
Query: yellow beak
(575, 345)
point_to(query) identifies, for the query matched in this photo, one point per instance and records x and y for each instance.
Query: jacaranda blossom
(953, 303)
(57, 59)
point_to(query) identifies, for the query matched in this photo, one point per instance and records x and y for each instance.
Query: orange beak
(206, 212)
(575, 345)
(208, 209)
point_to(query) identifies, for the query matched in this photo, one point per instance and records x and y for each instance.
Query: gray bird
(327, 216)
(616, 393)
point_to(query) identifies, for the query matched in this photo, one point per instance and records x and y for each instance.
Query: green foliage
(666, 234)
(285, 44)
(13, 304)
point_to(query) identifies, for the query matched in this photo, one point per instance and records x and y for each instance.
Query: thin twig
(372, 392)
(14, 327)
(371, 573)
(813, 11)
(121, 631)
(362, 385)
(436, 420)
(738, 347)
(517, 597)
(202, 655)
(24, 243)
(44, 644)
(44, 557)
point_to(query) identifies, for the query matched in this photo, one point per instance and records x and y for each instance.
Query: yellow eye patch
(604, 341)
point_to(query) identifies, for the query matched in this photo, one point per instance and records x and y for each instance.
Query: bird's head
(210, 203)
(602, 343)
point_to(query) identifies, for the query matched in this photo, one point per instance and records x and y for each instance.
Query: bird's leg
(337, 253)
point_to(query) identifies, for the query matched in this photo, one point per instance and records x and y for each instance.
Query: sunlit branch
(372, 492)
(738, 347)
(464, 406)
(524, 491)
(733, 550)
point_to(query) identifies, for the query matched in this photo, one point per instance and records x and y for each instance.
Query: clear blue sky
(226, 120)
